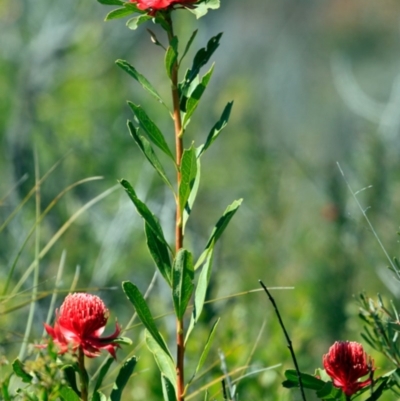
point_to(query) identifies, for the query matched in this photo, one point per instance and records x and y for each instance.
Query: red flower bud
(347, 362)
(79, 323)
(152, 6)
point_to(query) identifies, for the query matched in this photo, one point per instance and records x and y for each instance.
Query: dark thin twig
(289, 342)
(224, 390)
(371, 376)
(227, 381)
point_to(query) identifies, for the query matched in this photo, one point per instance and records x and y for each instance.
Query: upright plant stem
(180, 338)
(83, 375)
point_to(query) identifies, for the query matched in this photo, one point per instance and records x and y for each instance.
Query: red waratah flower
(152, 6)
(79, 323)
(347, 362)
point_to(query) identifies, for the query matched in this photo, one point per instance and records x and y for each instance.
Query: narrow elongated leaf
(188, 44)
(144, 211)
(188, 172)
(201, 58)
(122, 378)
(119, 13)
(67, 394)
(308, 381)
(182, 281)
(193, 193)
(160, 254)
(143, 311)
(111, 2)
(145, 146)
(219, 228)
(167, 389)
(103, 371)
(164, 361)
(378, 392)
(134, 22)
(19, 370)
(98, 396)
(218, 127)
(171, 56)
(151, 129)
(206, 348)
(70, 377)
(140, 78)
(201, 290)
(195, 96)
(329, 392)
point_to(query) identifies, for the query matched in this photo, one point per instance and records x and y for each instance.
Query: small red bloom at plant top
(154, 5)
(347, 362)
(79, 323)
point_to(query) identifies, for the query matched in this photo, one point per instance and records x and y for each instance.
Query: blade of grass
(60, 232)
(13, 188)
(363, 211)
(53, 300)
(31, 192)
(36, 268)
(38, 221)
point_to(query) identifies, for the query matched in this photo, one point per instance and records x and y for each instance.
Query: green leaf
(219, 228)
(145, 146)
(308, 381)
(134, 22)
(70, 377)
(171, 56)
(4, 385)
(122, 341)
(103, 371)
(379, 391)
(218, 127)
(167, 389)
(122, 378)
(111, 2)
(164, 360)
(193, 193)
(329, 392)
(195, 96)
(188, 44)
(140, 78)
(182, 281)
(201, 58)
(151, 129)
(201, 290)
(160, 254)
(143, 311)
(206, 349)
(144, 211)
(19, 370)
(67, 394)
(119, 13)
(99, 396)
(188, 175)
(202, 9)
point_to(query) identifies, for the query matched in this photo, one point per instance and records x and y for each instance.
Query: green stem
(83, 375)
(180, 338)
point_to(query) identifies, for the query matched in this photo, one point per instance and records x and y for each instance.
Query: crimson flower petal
(79, 323)
(346, 363)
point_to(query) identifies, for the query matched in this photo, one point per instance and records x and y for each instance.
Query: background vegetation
(313, 83)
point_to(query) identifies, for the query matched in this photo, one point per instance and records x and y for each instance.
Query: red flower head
(347, 362)
(79, 323)
(152, 6)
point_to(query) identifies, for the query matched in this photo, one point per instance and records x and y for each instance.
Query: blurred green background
(314, 83)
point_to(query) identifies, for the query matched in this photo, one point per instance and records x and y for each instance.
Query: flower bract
(346, 363)
(79, 324)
